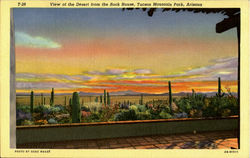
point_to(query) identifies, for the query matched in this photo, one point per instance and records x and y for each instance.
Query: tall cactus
(65, 100)
(70, 102)
(219, 89)
(108, 98)
(100, 98)
(76, 117)
(170, 95)
(42, 99)
(52, 97)
(31, 101)
(104, 97)
(141, 100)
(70, 107)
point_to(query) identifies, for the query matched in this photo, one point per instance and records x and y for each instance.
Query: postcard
(124, 78)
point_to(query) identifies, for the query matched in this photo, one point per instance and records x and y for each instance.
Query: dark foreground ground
(206, 140)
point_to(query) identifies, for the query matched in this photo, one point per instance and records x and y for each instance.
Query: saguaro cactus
(65, 100)
(141, 100)
(76, 117)
(31, 101)
(104, 97)
(70, 102)
(108, 98)
(170, 95)
(42, 99)
(219, 89)
(52, 97)
(100, 98)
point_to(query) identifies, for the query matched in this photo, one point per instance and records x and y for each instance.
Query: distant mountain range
(129, 93)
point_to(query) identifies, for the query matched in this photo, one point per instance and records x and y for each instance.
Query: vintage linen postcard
(124, 78)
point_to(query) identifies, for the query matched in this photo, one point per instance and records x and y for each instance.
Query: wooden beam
(228, 23)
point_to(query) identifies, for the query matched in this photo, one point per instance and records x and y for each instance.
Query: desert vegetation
(73, 109)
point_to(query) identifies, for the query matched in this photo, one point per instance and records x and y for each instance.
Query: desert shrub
(93, 117)
(155, 113)
(40, 109)
(84, 108)
(55, 109)
(46, 112)
(197, 101)
(41, 122)
(22, 116)
(143, 115)
(180, 115)
(156, 109)
(52, 121)
(24, 108)
(64, 120)
(27, 122)
(192, 104)
(133, 107)
(94, 106)
(61, 107)
(61, 117)
(141, 108)
(183, 105)
(165, 115)
(138, 108)
(107, 113)
(125, 115)
(221, 107)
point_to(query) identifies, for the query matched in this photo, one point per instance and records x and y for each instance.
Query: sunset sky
(90, 50)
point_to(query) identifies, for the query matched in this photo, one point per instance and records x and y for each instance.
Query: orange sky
(99, 49)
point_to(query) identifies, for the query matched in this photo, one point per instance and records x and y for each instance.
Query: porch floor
(205, 140)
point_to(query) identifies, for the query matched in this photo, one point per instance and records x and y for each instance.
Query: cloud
(142, 71)
(139, 84)
(45, 85)
(108, 72)
(56, 85)
(48, 81)
(53, 76)
(115, 71)
(24, 39)
(225, 64)
(225, 68)
(119, 72)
